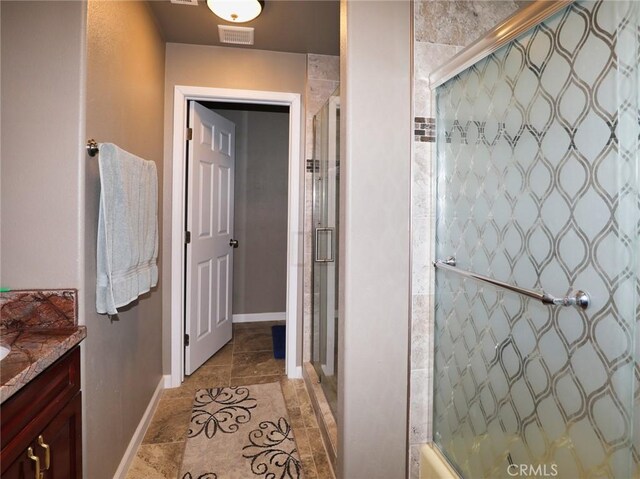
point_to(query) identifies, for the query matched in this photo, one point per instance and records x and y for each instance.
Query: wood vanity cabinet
(48, 407)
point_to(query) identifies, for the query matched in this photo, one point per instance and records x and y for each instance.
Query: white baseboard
(256, 317)
(138, 435)
(168, 382)
(296, 373)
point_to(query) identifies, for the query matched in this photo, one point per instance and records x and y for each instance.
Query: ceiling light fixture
(236, 11)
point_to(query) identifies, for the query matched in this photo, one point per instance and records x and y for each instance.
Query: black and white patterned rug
(240, 433)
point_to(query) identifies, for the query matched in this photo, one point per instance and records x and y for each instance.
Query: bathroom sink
(4, 351)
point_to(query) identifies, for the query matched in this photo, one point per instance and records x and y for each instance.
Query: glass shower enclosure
(326, 205)
(538, 187)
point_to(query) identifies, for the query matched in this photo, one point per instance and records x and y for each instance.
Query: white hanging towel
(127, 228)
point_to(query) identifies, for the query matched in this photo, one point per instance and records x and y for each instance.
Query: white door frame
(294, 232)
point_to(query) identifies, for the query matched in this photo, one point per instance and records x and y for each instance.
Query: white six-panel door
(209, 256)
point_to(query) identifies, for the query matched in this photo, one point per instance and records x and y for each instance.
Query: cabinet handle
(36, 460)
(47, 452)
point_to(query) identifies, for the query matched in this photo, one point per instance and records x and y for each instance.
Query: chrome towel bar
(578, 298)
(92, 147)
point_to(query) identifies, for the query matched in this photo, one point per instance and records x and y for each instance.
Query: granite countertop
(33, 351)
(39, 327)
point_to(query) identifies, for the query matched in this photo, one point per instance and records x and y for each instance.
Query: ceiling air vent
(185, 2)
(236, 35)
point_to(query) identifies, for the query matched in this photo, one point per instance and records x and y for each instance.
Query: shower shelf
(578, 298)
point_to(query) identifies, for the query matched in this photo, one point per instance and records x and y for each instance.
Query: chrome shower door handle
(329, 258)
(579, 299)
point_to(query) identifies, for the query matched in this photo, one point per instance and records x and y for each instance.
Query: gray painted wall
(260, 223)
(42, 134)
(60, 62)
(374, 272)
(125, 98)
(223, 67)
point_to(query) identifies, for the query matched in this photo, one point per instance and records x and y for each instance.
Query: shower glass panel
(326, 205)
(538, 186)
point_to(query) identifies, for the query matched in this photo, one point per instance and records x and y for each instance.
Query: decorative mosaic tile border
(424, 129)
(313, 166)
(474, 132)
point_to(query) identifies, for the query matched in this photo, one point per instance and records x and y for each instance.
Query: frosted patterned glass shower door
(537, 186)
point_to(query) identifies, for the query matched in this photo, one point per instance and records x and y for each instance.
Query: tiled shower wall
(323, 77)
(441, 29)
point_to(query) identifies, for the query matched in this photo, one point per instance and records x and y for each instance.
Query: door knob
(233, 243)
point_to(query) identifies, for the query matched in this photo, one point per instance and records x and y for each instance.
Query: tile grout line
(162, 443)
(295, 396)
(304, 425)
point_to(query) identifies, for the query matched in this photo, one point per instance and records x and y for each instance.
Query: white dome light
(236, 11)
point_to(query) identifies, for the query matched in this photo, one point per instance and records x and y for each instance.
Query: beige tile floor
(247, 359)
